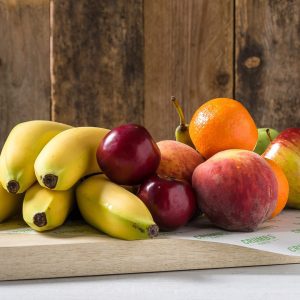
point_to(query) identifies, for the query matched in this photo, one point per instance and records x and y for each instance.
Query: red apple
(236, 189)
(285, 152)
(171, 202)
(128, 154)
(178, 160)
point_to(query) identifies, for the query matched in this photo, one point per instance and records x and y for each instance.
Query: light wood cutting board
(48, 255)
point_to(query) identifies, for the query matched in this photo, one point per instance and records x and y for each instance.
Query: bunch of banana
(44, 209)
(114, 210)
(10, 204)
(20, 151)
(68, 157)
(59, 156)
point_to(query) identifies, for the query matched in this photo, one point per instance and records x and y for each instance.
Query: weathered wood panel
(120, 61)
(97, 62)
(24, 63)
(189, 54)
(268, 60)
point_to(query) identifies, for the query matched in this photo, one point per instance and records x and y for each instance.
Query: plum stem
(179, 111)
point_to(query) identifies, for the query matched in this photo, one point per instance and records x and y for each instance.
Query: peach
(178, 160)
(236, 189)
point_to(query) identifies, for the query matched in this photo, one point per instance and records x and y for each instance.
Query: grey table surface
(265, 282)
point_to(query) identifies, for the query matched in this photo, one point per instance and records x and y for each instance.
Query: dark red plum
(128, 154)
(171, 202)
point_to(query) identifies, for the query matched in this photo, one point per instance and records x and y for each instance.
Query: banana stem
(40, 219)
(179, 110)
(153, 231)
(50, 181)
(13, 186)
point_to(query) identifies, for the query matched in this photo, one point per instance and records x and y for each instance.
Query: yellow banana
(44, 209)
(68, 157)
(114, 210)
(10, 204)
(20, 150)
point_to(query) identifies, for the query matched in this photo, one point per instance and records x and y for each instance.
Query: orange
(221, 124)
(283, 187)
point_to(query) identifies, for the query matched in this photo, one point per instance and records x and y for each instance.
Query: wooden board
(97, 62)
(49, 255)
(189, 54)
(267, 61)
(24, 63)
(120, 61)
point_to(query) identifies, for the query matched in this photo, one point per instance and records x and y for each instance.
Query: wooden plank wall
(120, 61)
(188, 53)
(24, 63)
(268, 60)
(97, 62)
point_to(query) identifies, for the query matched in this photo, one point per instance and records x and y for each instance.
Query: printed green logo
(263, 239)
(295, 248)
(211, 235)
(22, 230)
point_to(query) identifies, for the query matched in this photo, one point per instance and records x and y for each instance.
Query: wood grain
(120, 61)
(189, 54)
(268, 56)
(29, 256)
(24, 63)
(97, 62)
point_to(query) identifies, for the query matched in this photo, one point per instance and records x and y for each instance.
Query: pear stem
(179, 111)
(269, 135)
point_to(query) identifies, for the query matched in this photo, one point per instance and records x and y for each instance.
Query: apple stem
(179, 111)
(269, 135)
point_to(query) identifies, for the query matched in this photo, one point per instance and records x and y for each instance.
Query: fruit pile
(130, 187)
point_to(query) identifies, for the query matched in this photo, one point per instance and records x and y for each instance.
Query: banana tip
(50, 181)
(40, 219)
(13, 186)
(153, 231)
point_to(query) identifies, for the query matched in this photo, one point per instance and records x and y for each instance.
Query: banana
(20, 150)
(44, 209)
(68, 157)
(114, 210)
(10, 204)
